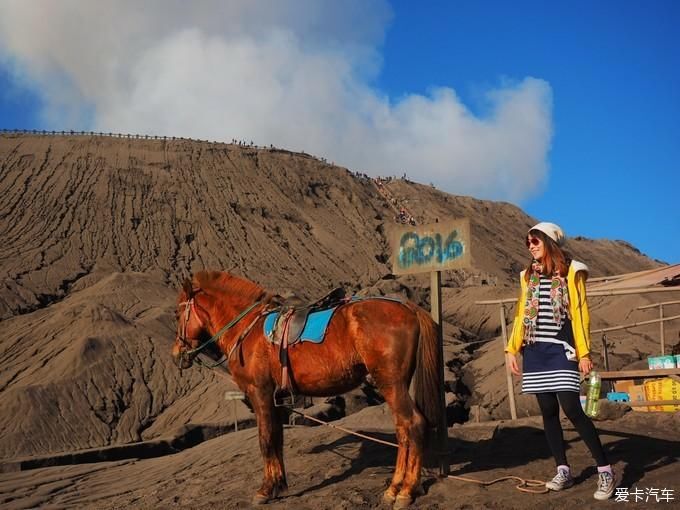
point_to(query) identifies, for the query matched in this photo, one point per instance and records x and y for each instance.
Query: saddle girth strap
(283, 353)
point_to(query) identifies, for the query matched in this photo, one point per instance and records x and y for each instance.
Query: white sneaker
(605, 486)
(562, 480)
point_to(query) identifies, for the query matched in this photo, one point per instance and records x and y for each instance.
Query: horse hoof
(259, 499)
(402, 502)
(389, 496)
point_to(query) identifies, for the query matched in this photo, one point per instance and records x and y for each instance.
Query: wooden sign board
(434, 247)
(234, 395)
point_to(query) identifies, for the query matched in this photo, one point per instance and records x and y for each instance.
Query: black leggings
(550, 409)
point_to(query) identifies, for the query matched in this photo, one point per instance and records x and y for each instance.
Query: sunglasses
(534, 241)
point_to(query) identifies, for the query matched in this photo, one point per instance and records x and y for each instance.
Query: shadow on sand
(507, 447)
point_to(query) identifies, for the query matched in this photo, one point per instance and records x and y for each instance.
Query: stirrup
(283, 397)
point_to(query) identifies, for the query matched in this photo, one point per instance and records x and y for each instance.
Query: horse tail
(426, 378)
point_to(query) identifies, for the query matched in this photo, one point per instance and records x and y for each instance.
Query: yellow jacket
(578, 310)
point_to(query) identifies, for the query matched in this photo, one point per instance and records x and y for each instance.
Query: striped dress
(549, 363)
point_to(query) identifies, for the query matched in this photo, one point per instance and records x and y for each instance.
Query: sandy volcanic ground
(329, 470)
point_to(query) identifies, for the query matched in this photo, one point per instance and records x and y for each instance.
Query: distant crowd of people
(403, 215)
(243, 143)
(405, 218)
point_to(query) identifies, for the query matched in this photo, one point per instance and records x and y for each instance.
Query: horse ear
(188, 288)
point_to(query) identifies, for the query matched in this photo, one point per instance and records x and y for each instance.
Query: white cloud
(295, 74)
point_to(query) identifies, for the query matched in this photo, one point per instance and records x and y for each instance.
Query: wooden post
(508, 373)
(661, 330)
(605, 354)
(436, 311)
(605, 351)
(234, 396)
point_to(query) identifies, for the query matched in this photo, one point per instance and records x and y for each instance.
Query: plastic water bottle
(593, 396)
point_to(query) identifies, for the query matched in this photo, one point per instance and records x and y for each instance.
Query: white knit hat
(553, 231)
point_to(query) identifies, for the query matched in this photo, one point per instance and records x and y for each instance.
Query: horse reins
(190, 305)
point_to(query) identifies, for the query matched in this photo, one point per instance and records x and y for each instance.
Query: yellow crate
(663, 389)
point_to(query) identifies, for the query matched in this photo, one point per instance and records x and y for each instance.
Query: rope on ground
(524, 485)
(347, 431)
(529, 485)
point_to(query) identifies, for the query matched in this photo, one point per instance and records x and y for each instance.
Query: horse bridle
(190, 305)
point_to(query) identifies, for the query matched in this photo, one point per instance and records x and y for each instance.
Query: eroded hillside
(98, 231)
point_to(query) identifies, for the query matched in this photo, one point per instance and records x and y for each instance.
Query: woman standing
(552, 329)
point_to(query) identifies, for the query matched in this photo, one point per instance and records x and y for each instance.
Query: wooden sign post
(234, 396)
(434, 248)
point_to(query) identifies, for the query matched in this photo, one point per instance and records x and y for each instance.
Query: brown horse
(387, 339)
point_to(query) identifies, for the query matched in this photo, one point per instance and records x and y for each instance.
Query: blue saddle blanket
(314, 329)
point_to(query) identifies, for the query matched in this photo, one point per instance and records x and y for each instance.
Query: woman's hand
(512, 363)
(585, 365)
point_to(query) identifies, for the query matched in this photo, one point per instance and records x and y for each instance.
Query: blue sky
(614, 70)
(569, 110)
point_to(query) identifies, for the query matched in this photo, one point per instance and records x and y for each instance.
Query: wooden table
(673, 373)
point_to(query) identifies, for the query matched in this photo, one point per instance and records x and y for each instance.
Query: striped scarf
(559, 301)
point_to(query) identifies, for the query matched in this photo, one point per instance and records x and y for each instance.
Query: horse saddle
(302, 322)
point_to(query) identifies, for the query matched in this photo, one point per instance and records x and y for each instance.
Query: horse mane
(221, 282)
